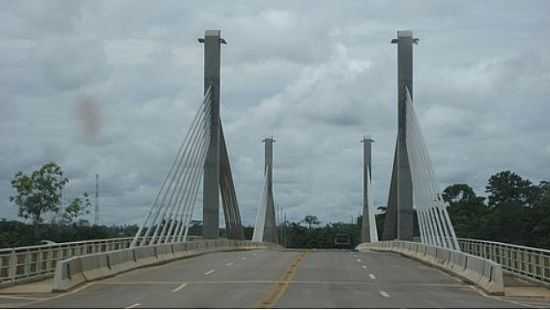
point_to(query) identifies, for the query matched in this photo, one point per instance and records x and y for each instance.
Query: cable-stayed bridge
(163, 266)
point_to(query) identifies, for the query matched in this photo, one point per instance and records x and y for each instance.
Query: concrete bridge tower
(211, 191)
(368, 225)
(400, 214)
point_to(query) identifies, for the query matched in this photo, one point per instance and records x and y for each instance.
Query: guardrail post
(545, 267)
(27, 260)
(12, 271)
(533, 264)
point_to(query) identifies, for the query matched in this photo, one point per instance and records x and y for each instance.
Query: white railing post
(12, 271)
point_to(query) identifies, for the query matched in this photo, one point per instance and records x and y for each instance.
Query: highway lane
(227, 279)
(280, 279)
(378, 280)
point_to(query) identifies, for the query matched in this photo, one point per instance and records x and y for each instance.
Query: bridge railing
(532, 263)
(30, 263)
(483, 272)
(79, 269)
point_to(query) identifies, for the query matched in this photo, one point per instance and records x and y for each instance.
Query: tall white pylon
(369, 232)
(265, 229)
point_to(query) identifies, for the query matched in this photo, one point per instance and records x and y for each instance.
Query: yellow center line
(280, 287)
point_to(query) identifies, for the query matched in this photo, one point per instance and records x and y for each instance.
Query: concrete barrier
(121, 260)
(95, 266)
(68, 273)
(79, 269)
(165, 252)
(482, 272)
(146, 255)
(181, 250)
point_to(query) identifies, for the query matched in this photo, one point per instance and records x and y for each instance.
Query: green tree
(507, 186)
(539, 218)
(38, 193)
(458, 193)
(311, 220)
(467, 211)
(78, 207)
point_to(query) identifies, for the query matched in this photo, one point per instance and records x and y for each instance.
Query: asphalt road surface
(278, 279)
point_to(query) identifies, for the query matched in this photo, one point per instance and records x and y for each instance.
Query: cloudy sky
(110, 87)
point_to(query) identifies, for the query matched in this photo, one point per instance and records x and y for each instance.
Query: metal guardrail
(28, 263)
(532, 263)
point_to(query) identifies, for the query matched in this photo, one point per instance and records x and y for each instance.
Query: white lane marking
(229, 264)
(184, 284)
(243, 258)
(254, 254)
(358, 260)
(132, 306)
(20, 297)
(364, 267)
(385, 294)
(209, 272)
(372, 276)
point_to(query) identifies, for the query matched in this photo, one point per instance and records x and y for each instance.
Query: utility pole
(96, 211)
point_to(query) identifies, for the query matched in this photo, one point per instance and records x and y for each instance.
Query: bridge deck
(276, 279)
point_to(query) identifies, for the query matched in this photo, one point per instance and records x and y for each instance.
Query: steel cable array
(373, 231)
(170, 214)
(259, 227)
(434, 223)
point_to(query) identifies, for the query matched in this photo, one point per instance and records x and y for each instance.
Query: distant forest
(514, 210)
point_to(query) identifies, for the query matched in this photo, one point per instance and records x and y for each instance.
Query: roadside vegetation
(514, 210)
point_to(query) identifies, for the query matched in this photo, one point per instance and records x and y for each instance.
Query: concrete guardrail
(482, 272)
(80, 269)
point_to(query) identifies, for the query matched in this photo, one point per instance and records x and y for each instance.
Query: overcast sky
(110, 87)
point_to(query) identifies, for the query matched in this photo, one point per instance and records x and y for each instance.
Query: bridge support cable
(259, 226)
(190, 200)
(229, 198)
(194, 182)
(168, 205)
(426, 194)
(180, 189)
(429, 229)
(230, 203)
(190, 178)
(192, 133)
(162, 207)
(153, 213)
(421, 225)
(156, 216)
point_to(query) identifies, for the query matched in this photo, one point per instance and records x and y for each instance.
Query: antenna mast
(96, 211)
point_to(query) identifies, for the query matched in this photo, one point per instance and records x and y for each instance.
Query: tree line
(514, 210)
